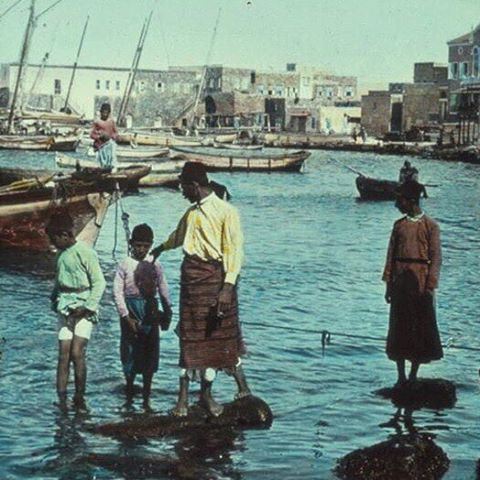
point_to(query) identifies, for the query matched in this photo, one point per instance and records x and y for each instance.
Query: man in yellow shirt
(209, 329)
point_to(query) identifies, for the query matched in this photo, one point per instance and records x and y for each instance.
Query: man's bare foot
(180, 410)
(79, 402)
(214, 408)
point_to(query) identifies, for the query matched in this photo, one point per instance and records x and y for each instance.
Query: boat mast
(204, 73)
(21, 67)
(133, 71)
(75, 65)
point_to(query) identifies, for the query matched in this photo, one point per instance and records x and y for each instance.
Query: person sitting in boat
(104, 134)
(408, 173)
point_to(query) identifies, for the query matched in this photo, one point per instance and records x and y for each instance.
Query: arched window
(476, 61)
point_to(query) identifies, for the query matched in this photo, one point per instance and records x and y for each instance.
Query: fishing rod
(348, 167)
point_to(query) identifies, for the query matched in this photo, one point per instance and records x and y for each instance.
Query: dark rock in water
(424, 392)
(403, 457)
(247, 412)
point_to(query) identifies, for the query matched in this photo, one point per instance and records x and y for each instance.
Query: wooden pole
(75, 65)
(21, 67)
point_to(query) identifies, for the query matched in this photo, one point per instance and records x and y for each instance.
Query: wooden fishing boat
(28, 199)
(128, 175)
(141, 153)
(247, 162)
(167, 180)
(375, 189)
(237, 146)
(63, 143)
(136, 138)
(164, 166)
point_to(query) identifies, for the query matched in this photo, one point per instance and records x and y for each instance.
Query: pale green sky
(376, 40)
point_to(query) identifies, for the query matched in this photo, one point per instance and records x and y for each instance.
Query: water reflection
(36, 264)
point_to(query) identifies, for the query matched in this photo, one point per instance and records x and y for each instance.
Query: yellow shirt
(211, 230)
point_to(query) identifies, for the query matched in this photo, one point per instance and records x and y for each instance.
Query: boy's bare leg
(402, 378)
(207, 399)
(413, 371)
(63, 368)
(181, 408)
(241, 380)
(147, 387)
(79, 345)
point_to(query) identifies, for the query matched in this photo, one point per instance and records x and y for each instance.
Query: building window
(141, 86)
(349, 92)
(464, 70)
(107, 84)
(270, 91)
(57, 85)
(117, 85)
(97, 84)
(252, 77)
(313, 122)
(454, 69)
(159, 87)
(476, 61)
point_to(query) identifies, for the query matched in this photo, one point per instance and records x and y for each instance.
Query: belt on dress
(65, 289)
(424, 261)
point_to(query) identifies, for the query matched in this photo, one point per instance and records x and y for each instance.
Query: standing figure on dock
(209, 328)
(79, 286)
(135, 287)
(411, 275)
(104, 134)
(363, 134)
(408, 173)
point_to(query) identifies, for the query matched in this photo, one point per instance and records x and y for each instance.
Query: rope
(125, 217)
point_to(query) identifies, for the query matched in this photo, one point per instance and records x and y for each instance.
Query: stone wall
(429, 72)
(421, 103)
(376, 112)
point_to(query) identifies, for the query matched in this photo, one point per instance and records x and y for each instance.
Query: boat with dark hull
(375, 189)
(245, 161)
(28, 199)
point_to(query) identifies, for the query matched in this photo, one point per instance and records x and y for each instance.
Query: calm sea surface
(314, 257)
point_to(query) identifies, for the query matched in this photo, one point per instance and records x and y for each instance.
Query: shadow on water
(198, 455)
(38, 264)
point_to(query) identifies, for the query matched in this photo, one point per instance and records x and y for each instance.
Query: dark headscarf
(59, 222)
(142, 233)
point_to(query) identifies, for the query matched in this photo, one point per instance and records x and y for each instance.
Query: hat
(59, 222)
(411, 190)
(194, 172)
(142, 233)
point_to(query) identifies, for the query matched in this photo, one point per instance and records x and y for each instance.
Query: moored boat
(63, 143)
(249, 162)
(375, 189)
(128, 175)
(156, 140)
(237, 146)
(28, 199)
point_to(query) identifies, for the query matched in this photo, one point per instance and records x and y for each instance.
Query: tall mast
(75, 65)
(204, 73)
(21, 67)
(133, 70)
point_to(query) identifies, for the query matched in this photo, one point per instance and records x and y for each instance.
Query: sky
(376, 40)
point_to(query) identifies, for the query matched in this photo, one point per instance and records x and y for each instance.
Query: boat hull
(374, 189)
(291, 162)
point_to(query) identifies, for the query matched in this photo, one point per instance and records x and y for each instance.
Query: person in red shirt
(104, 134)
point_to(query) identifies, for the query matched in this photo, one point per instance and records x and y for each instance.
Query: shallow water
(314, 257)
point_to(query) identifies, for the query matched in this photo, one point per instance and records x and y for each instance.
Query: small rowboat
(243, 161)
(235, 146)
(374, 189)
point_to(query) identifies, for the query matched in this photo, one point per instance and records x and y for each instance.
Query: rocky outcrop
(425, 392)
(403, 457)
(248, 412)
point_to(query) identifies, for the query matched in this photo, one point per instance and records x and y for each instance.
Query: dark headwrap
(194, 172)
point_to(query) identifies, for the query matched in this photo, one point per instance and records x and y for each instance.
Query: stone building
(407, 106)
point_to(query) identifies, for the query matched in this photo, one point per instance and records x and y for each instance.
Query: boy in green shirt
(79, 286)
